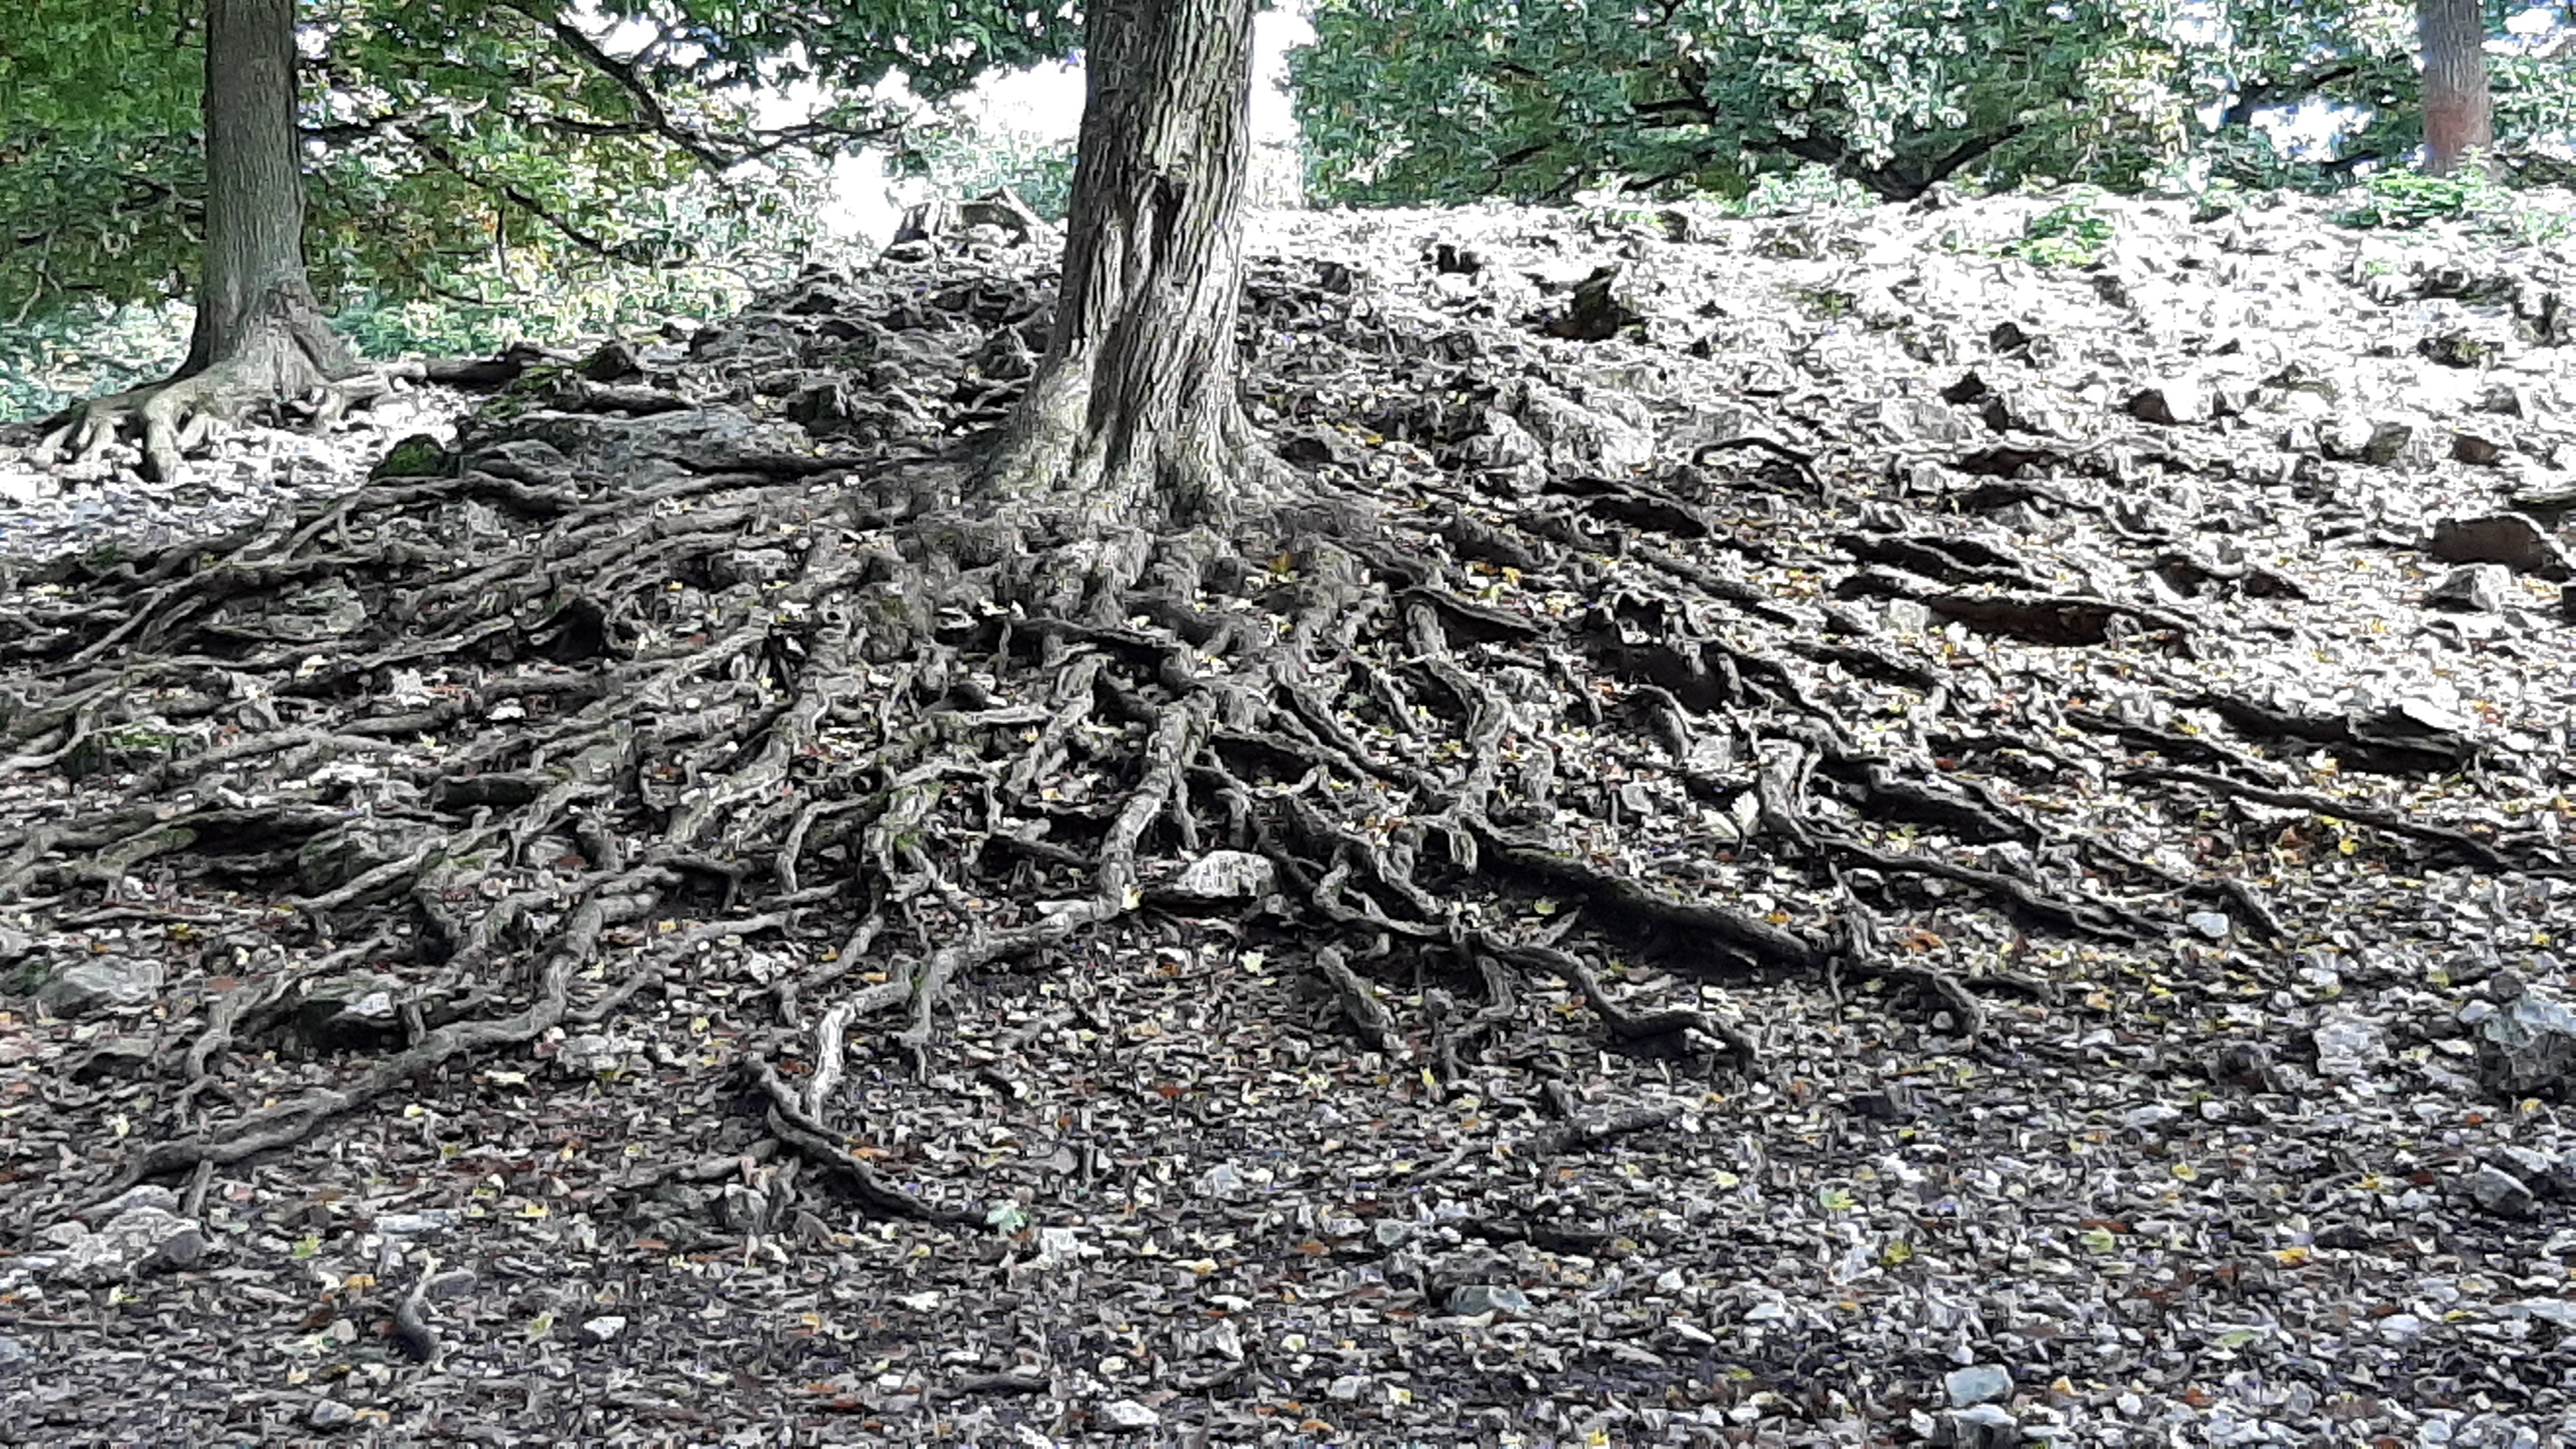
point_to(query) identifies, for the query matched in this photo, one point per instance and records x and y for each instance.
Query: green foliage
(559, 310)
(50, 362)
(1445, 100)
(2405, 201)
(963, 158)
(2071, 235)
(459, 141)
(1806, 188)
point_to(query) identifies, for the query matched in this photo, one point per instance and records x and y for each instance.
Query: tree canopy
(1407, 100)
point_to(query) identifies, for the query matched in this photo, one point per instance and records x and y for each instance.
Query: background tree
(438, 134)
(2459, 118)
(259, 332)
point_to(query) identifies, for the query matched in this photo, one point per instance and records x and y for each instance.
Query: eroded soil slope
(1880, 842)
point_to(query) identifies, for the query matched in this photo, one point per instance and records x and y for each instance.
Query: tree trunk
(260, 336)
(255, 309)
(2458, 117)
(1134, 413)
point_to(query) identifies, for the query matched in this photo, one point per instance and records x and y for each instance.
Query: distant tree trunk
(1134, 409)
(2458, 116)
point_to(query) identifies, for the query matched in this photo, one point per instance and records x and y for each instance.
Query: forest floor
(2052, 730)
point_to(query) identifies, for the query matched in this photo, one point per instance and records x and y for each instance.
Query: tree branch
(2261, 93)
(648, 106)
(616, 252)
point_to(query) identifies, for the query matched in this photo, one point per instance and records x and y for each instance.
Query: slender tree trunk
(2458, 116)
(1134, 410)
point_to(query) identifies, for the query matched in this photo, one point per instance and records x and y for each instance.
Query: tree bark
(255, 308)
(2458, 116)
(260, 336)
(1134, 412)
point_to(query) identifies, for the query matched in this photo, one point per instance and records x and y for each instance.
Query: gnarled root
(178, 416)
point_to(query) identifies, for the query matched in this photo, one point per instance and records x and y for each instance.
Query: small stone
(2364, 440)
(2213, 924)
(146, 1195)
(589, 1054)
(102, 984)
(417, 456)
(2475, 588)
(1978, 1383)
(2169, 404)
(2499, 1192)
(1982, 1427)
(2528, 1047)
(63, 1235)
(413, 1224)
(1227, 875)
(12, 1351)
(2458, 347)
(1475, 1300)
(131, 1242)
(2476, 449)
(1128, 1416)
(330, 1414)
(2511, 539)
(176, 1253)
(604, 1328)
(2348, 1045)
(1347, 1389)
(2538, 1171)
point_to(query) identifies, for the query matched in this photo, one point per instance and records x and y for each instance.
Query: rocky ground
(2072, 950)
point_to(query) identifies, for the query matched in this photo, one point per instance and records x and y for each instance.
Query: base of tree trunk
(284, 352)
(1049, 456)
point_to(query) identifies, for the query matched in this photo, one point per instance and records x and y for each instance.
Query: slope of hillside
(1940, 825)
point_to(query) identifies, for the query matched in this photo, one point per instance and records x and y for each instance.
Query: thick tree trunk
(256, 314)
(2458, 116)
(1134, 413)
(260, 336)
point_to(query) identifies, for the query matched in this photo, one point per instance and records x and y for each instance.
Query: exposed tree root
(618, 672)
(286, 354)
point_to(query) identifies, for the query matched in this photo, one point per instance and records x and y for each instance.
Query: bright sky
(1045, 101)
